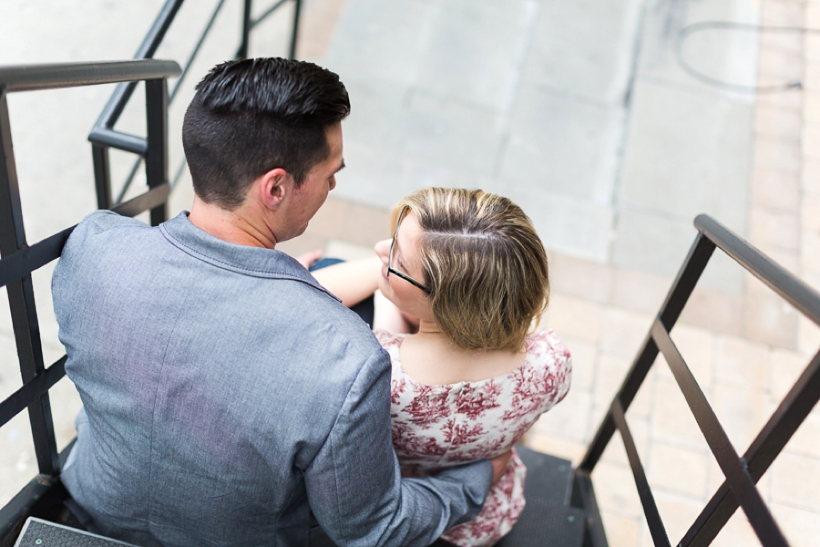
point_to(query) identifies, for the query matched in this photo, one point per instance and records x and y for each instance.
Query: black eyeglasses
(391, 269)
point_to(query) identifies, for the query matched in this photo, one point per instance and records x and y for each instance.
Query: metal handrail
(61, 75)
(796, 292)
(103, 136)
(116, 104)
(741, 472)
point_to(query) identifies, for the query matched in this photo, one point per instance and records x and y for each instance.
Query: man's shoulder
(325, 318)
(100, 228)
(103, 221)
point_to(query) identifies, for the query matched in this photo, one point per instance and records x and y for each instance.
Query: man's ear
(274, 187)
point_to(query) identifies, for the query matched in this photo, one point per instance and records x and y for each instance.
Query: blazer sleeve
(354, 486)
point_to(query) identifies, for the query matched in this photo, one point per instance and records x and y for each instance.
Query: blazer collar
(243, 259)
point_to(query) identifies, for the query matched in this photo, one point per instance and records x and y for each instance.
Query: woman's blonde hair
(484, 264)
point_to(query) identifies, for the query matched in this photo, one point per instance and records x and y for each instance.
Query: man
(228, 398)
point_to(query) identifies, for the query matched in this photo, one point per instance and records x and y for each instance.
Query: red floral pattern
(435, 427)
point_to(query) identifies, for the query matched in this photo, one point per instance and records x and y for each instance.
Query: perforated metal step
(545, 524)
(41, 533)
(547, 520)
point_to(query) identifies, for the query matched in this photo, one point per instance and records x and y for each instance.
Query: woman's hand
(500, 465)
(351, 281)
(309, 258)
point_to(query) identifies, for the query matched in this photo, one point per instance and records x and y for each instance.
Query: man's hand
(500, 465)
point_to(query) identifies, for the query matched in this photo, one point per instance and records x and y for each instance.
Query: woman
(466, 274)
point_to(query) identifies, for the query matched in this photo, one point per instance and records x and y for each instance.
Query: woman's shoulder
(390, 341)
(545, 350)
(546, 343)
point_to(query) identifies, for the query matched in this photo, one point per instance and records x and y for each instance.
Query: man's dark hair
(254, 115)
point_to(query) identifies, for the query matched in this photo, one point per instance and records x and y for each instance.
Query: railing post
(156, 159)
(21, 301)
(294, 37)
(247, 23)
(102, 175)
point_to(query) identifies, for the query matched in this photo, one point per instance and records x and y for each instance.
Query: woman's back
(441, 425)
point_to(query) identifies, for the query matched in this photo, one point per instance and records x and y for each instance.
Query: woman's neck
(432, 358)
(428, 327)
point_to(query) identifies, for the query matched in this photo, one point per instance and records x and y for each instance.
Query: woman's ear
(273, 188)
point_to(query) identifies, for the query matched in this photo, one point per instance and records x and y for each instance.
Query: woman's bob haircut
(484, 264)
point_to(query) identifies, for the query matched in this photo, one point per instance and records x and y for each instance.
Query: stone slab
(563, 145)
(574, 227)
(725, 55)
(688, 152)
(585, 48)
(474, 50)
(380, 39)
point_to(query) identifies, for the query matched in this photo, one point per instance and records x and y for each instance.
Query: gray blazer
(230, 400)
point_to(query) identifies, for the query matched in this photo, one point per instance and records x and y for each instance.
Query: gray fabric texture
(228, 399)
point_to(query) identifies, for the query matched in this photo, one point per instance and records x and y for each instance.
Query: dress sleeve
(385, 337)
(354, 485)
(557, 366)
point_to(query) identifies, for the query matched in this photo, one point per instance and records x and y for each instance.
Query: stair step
(548, 520)
(40, 533)
(548, 478)
(545, 524)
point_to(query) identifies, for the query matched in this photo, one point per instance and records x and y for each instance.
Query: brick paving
(745, 347)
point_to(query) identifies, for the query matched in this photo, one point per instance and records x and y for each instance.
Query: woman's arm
(351, 281)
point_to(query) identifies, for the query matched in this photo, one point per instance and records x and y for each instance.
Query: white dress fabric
(440, 426)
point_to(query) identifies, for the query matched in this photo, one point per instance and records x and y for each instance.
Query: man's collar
(252, 261)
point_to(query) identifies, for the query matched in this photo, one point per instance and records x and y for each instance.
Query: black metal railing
(741, 472)
(19, 259)
(104, 137)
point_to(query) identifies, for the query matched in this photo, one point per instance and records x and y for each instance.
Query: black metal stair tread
(548, 478)
(545, 524)
(547, 520)
(40, 533)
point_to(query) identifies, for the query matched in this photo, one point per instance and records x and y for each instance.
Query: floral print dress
(441, 426)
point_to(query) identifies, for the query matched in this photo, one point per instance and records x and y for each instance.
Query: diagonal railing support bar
(158, 30)
(247, 24)
(151, 199)
(650, 508)
(734, 469)
(116, 104)
(684, 284)
(20, 264)
(195, 52)
(768, 444)
(294, 37)
(268, 12)
(29, 393)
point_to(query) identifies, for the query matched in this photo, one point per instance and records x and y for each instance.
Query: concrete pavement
(579, 112)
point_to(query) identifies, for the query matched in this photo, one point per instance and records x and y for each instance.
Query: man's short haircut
(254, 115)
(484, 263)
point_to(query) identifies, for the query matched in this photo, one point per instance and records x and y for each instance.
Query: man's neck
(235, 226)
